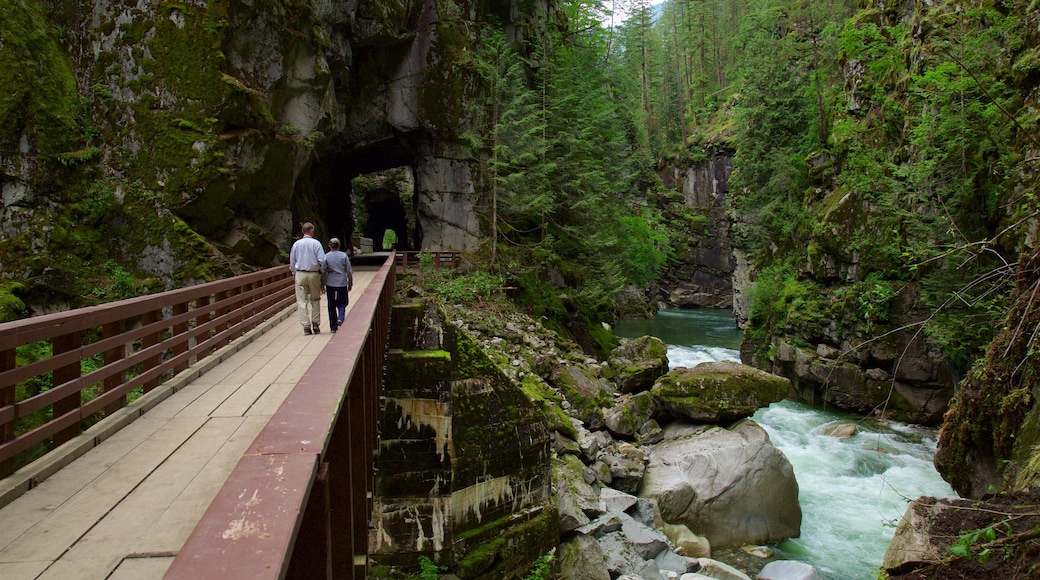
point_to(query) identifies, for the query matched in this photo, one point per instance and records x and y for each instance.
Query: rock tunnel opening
(361, 195)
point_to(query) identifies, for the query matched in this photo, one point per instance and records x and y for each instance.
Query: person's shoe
(316, 329)
(333, 331)
(306, 330)
(340, 322)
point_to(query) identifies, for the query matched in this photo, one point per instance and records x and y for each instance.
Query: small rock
(763, 552)
(789, 570)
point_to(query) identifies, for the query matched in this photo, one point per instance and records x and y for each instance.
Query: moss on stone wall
(511, 547)
(40, 100)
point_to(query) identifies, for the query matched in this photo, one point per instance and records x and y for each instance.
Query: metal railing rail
(140, 341)
(299, 500)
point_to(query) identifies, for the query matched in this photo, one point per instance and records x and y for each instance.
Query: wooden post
(69, 372)
(110, 356)
(151, 339)
(8, 360)
(202, 316)
(179, 329)
(312, 551)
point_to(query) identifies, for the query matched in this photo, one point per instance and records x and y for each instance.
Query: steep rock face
(700, 274)
(230, 122)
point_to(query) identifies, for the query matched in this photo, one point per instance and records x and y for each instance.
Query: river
(852, 491)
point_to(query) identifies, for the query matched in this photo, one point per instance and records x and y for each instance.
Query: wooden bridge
(247, 452)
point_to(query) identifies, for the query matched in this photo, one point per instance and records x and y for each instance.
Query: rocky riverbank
(654, 471)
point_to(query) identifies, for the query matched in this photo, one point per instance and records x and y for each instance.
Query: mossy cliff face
(182, 141)
(464, 462)
(990, 439)
(893, 275)
(695, 206)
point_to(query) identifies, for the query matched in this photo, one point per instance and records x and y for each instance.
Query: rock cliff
(194, 136)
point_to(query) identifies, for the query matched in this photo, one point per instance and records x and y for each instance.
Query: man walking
(306, 261)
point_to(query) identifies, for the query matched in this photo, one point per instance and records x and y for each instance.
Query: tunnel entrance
(385, 209)
(358, 196)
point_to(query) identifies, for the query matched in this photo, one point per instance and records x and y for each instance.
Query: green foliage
(971, 543)
(779, 300)
(873, 299)
(428, 570)
(542, 569)
(479, 285)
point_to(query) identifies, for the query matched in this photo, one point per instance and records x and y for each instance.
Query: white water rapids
(852, 491)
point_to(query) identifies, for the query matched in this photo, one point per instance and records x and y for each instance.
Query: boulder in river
(729, 485)
(718, 392)
(637, 363)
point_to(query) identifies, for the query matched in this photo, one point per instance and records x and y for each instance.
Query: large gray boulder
(637, 363)
(728, 485)
(718, 392)
(581, 558)
(576, 500)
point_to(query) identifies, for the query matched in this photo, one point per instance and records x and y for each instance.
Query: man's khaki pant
(308, 298)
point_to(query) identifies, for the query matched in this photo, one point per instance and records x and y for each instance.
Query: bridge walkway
(125, 508)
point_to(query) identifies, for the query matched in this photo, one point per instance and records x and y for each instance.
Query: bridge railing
(99, 355)
(438, 259)
(298, 502)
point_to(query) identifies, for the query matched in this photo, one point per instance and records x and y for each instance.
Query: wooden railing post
(69, 372)
(8, 360)
(179, 329)
(110, 356)
(151, 339)
(202, 317)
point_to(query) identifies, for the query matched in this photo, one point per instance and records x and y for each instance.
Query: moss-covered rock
(718, 392)
(11, 305)
(631, 414)
(637, 363)
(587, 394)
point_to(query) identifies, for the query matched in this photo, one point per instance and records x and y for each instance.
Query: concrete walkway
(125, 508)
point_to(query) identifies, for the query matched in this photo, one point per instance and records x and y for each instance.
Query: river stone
(911, 542)
(637, 363)
(729, 485)
(718, 392)
(839, 430)
(680, 564)
(630, 414)
(650, 571)
(627, 467)
(586, 393)
(592, 443)
(612, 501)
(576, 500)
(582, 558)
(691, 544)
(564, 445)
(601, 526)
(720, 571)
(621, 556)
(789, 570)
(643, 511)
(646, 541)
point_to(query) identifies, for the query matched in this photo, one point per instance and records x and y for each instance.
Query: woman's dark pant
(337, 298)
